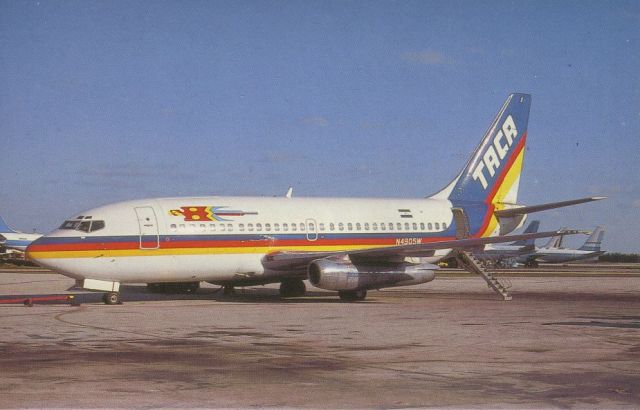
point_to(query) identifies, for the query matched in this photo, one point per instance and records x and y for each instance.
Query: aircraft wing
(521, 210)
(284, 260)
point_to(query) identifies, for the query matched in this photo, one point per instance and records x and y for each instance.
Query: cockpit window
(83, 226)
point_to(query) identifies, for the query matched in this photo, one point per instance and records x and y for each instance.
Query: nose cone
(31, 253)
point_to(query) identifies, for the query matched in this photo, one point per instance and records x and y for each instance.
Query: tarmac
(564, 341)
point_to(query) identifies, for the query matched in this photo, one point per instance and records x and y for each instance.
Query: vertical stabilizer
(492, 174)
(594, 241)
(490, 179)
(531, 228)
(555, 242)
(4, 227)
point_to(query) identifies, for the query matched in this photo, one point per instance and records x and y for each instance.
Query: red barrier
(29, 300)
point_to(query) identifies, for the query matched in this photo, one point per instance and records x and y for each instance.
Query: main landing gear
(292, 288)
(112, 298)
(352, 295)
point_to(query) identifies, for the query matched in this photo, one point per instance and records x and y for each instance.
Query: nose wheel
(112, 298)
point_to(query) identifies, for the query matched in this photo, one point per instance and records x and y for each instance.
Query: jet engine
(343, 275)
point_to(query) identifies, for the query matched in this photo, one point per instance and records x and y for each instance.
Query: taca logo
(496, 152)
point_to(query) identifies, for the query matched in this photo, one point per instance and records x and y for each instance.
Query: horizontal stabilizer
(511, 212)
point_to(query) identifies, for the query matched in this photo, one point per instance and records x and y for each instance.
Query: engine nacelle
(337, 275)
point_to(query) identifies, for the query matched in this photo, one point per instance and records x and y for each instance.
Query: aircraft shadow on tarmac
(140, 293)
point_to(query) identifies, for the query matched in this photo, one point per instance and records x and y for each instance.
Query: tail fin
(594, 241)
(555, 241)
(531, 228)
(492, 174)
(4, 227)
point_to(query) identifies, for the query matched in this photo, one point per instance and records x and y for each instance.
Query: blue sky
(106, 101)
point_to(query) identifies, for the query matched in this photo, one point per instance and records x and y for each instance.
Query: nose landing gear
(112, 298)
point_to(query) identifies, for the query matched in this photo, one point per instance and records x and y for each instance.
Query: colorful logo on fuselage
(208, 213)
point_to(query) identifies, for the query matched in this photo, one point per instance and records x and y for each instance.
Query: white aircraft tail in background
(14, 240)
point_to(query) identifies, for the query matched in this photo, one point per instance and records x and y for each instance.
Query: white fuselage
(223, 239)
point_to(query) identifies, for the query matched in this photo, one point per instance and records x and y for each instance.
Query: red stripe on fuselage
(221, 243)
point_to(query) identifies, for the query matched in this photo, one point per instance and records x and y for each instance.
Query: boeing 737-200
(344, 244)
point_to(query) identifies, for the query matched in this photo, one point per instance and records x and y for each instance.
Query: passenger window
(312, 226)
(383, 226)
(294, 227)
(430, 226)
(203, 227)
(241, 227)
(406, 226)
(267, 227)
(341, 226)
(415, 226)
(174, 227)
(285, 227)
(391, 226)
(437, 226)
(276, 227)
(422, 226)
(375, 226)
(250, 227)
(302, 227)
(350, 226)
(321, 226)
(258, 227)
(221, 227)
(332, 227)
(229, 227)
(444, 225)
(366, 226)
(192, 226)
(358, 226)
(182, 226)
(398, 226)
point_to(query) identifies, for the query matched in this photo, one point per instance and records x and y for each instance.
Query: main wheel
(111, 298)
(352, 295)
(292, 288)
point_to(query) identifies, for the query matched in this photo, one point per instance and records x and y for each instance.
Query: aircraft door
(148, 224)
(462, 223)
(312, 229)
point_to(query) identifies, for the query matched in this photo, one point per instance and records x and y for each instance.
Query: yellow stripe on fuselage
(194, 251)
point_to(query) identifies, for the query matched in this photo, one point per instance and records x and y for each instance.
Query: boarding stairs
(475, 265)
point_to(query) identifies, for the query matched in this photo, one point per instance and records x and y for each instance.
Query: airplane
(499, 253)
(553, 252)
(14, 240)
(349, 245)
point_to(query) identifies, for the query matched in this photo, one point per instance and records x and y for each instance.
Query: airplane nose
(31, 252)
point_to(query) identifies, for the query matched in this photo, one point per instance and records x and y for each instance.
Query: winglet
(289, 193)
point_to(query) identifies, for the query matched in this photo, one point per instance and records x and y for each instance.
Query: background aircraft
(553, 252)
(497, 253)
(14, 240)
